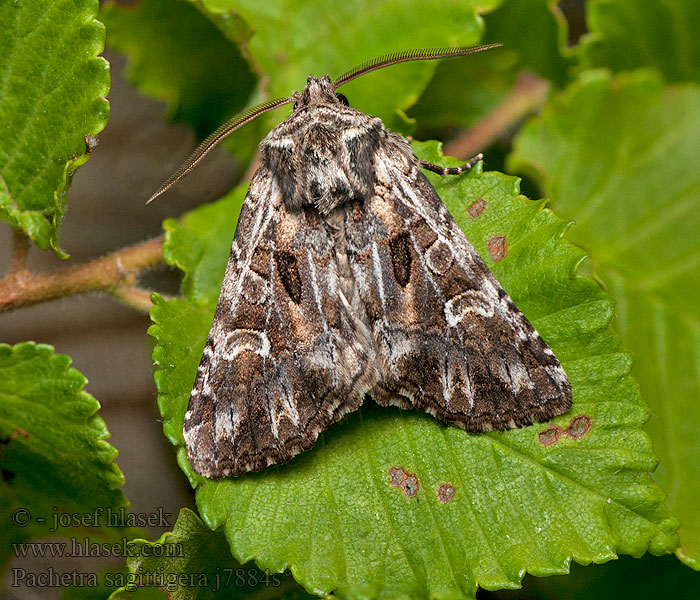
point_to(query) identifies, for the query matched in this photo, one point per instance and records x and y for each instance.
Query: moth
(348, 277)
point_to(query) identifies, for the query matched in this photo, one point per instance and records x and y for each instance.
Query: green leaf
(188, 249)
(329, 37)
(645, 578)
(331, 515)
(620, 155)
(54, 459)
(193, 562)
(541, 46)
(52, 96)
(178, 55)
(105, 581)
(628, 34)
(463, 91)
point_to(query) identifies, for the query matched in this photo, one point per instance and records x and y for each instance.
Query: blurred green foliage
(614, 148)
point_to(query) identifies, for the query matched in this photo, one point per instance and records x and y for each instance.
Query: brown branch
(21, 251)
(134, 296)
(527, 95)
(22, 288)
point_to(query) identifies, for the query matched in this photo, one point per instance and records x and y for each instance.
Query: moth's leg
(451, 170)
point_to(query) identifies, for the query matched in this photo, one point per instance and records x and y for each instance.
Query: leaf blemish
(396, 476)
(579, 427)
(408, 482)
(476, 208)
(17, 432)
(497, 247)
(550, 435)
(445, 492)
(90, 143)
(410, 486)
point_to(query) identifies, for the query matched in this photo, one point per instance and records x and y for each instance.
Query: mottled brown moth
(348, 277)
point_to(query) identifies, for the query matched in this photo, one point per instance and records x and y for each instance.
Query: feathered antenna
(406, 56)
(203, 149)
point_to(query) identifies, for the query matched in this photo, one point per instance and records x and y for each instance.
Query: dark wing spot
(423, 233)
(289, 275)
(400, 246)
(260, 262)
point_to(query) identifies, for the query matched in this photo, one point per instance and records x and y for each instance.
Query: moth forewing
(348, 276)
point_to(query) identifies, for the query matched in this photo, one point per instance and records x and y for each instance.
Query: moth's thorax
(323, 154)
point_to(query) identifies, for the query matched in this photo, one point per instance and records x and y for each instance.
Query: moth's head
(319, 90)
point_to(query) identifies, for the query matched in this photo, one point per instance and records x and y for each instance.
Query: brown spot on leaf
(90, 143)
(497, 247)
(396, 476)
(4, 441)
(410, 486)
(579, 427)
(408, 482)
(550, 435)
(445, 492)
(17, 432)
(476, 208)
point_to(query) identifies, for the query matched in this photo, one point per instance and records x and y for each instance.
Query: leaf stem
(114, 273)
(527, 95)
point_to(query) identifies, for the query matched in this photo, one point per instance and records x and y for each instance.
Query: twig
(21, 251)
(135, 297)
(527, 95)
(22, 288)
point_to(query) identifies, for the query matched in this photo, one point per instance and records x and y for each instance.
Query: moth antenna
(405, 56)
(219, 134)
